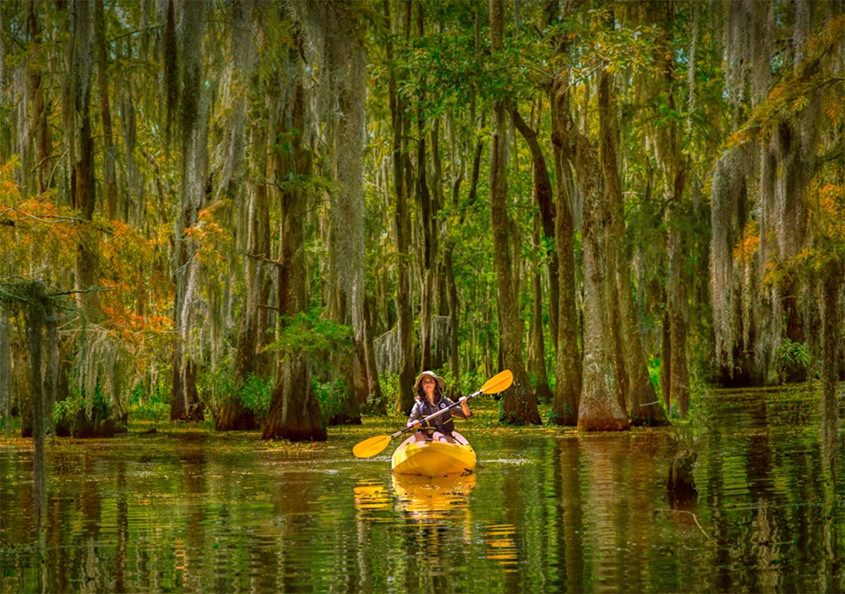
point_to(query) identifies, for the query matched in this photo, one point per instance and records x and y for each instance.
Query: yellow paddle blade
(498, 383)
(371, 446)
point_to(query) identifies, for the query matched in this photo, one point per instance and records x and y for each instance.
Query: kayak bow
(434, 457)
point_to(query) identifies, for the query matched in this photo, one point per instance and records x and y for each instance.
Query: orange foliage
(214, 241)
(748, 246)
(828, 212)
(130, 325)
(41, 238)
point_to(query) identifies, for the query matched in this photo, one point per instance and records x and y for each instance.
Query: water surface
(548, 510)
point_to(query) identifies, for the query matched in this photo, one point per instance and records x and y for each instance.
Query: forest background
(275, 214)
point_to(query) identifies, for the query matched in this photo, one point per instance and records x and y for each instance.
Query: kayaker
(428, 391)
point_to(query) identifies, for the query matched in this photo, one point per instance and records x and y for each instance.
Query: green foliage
(654, 366)
(66, 411)
(389, 383)
(309, 334)
(218, 386)
(255, 394)
(154, 406)
(792, 360)
(332, 396)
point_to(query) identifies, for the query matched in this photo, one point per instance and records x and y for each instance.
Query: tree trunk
(5, 372)
(542, 191)
(109, 154)
(428, 225)
(537, 349)
(641, 396)
(831, 316)
(599, 407)
(185, 404)
(294, 410)
(666, 363)
(398, 116)
(520, 402)
(249, 357)
(676, 305)
(374, 392)
(568, 356)
(82, 175)
(347, 213)
(454, 314)
(675, 176)
(38, 116)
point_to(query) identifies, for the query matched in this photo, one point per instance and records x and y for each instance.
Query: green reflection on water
(548, 510)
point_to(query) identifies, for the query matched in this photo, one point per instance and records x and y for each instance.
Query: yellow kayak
(437, 456)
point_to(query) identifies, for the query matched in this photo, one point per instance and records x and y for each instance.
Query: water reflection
(501, 545)
(432, 498)
(546, 511)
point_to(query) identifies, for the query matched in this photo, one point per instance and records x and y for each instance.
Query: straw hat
(440, 381)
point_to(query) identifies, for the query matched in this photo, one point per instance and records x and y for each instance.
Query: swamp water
(547, 511)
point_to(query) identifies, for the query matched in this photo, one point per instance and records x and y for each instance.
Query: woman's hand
(464, 406)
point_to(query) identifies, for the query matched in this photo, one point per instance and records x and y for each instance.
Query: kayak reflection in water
(428, 391)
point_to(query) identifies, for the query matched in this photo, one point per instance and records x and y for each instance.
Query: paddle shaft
(434, 415)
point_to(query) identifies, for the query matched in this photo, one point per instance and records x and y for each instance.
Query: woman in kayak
(428, 391)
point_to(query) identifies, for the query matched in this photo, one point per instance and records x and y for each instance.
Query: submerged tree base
(681, 482)
(603, 424)
(109, 427)
(596, 415)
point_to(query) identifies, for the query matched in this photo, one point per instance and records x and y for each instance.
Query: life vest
(444, 423)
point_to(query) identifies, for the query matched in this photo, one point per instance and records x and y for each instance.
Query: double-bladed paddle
(375, 445)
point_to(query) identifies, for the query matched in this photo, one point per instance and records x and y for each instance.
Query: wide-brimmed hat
(441, 383)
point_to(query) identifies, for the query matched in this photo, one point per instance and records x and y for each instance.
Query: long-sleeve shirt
(444, 423)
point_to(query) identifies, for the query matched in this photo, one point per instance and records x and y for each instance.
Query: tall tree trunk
(428, 224)
(132, 195)
(185, 404)
(666, 363)
(82, 175)
(599, 407)
(249, 358)
(374, 392)
(831, 289)
(674, 176)
(537, 347)
(543, 195)
(454, 313)
(641, 397)
(5, 372)
(347, 213)
(676, 305)
(520, 403)
(109, 153)
(294, 410)
(568, 355)
(542, 191)
(398, 117)
(458, 173)
(37, 128)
